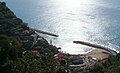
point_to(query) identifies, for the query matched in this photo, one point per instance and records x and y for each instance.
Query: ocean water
(95, 21)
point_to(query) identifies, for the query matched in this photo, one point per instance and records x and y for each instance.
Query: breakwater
(112, 52)
(44, 32)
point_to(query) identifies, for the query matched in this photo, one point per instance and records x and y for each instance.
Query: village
(75, 62)
(33, 42)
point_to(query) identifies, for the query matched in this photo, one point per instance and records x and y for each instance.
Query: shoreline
(99, 54)
(35, 52)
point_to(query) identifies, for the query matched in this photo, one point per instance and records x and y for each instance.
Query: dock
(112, 52)
(44, 32)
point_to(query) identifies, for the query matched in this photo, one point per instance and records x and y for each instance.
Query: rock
(3, 3)
(12, 26)
(9, 11)
(17, 21)
(9, 15)
(2, 22)
(3, 6)
(2, 18)
(1, 14)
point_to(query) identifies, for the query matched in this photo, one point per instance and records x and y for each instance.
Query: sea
(94, 21)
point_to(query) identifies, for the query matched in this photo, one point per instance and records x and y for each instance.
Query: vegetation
(111, 65)
(21, 52)
(20, 49)
(12, 59)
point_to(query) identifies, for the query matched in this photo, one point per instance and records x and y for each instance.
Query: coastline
(41, 49)
(99, 54)
(26, 34)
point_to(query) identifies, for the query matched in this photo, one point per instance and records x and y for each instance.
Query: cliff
(21, 49)
(10, 25)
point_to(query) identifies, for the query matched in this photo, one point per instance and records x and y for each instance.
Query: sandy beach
(99, 54)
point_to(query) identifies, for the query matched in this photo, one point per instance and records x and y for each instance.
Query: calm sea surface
(96, 21)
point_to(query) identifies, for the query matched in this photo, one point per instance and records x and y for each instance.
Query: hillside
(21, 49)
(110, 65)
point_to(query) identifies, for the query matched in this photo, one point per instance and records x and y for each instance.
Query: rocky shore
(12, 26)
(22, 50)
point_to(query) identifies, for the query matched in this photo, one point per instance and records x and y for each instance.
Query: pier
(112, 52)
(43, 32)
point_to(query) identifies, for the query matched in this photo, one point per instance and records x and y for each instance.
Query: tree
(10, 50)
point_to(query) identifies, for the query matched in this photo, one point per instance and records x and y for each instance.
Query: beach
(99, 54)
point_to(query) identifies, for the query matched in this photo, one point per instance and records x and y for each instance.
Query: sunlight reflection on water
(94, 21)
